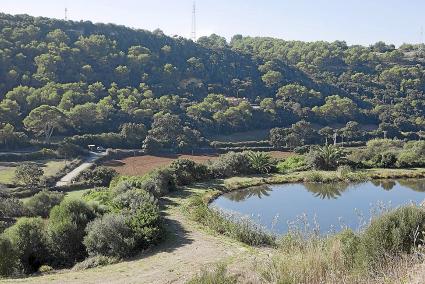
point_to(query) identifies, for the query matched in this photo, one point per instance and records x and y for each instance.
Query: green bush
(391, 234)
(132, 199)
(230, 164)
(412, 155)
(66, 230)
(95, 261)
(159, 182)
(261, 162)
(327, 157)
(384, 160)
(41, 203)
(99, 176)
(28, 238)
(186, 171)
(146, 224)
(9, 262)
(11, 207)
(110, 235)
(292, 163)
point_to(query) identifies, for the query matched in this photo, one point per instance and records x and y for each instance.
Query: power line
(193, 34)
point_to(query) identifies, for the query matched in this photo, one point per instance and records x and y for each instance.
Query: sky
(355, 21)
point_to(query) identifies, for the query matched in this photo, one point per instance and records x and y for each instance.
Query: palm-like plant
(327, 157)
(260, 161)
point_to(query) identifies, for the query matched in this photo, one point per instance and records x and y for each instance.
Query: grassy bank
(235, 183)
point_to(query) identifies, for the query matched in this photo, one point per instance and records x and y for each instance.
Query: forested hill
(72, 78)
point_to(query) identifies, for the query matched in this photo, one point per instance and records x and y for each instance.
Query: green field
(51, 167)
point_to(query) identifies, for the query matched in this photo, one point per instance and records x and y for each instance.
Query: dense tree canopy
(68, 78)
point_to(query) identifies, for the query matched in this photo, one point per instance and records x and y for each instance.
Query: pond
(318, 206)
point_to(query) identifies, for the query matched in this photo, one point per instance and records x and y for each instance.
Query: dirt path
(67, 179)
(186, 252)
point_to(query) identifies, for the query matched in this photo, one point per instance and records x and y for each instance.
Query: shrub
(11, 207)
(109, 235)
(159, 182)
(261, 162)
(326, 157)
(29, 240)
(29, 174)
(146, 224)
(65, 230)
(9, 262)
(45, 269)
(384, 160)
(391, 234)
(230, 164)
(186, 171)
(291, 163)
(99, 176)
(132, 199)
(41, 203)
(95, 261)
(412, 155)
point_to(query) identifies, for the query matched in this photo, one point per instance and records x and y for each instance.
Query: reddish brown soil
(140, 165)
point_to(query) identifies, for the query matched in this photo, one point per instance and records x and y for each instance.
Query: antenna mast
(193, 35)
(66, 14)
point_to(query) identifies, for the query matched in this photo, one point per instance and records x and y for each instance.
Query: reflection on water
(330, 205)
(258, 191)
(327, 190)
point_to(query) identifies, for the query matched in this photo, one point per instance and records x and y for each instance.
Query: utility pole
(193, 33)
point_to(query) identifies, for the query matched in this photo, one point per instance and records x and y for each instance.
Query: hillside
(65, 78)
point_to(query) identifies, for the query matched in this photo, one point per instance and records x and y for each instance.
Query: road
(67, 179)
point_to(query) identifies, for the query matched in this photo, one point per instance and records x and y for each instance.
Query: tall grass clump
(217, 275)
(239, 228)
(393, 234)
(382, 253)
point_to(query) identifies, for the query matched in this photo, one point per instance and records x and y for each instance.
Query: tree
(29, 174)
(28, 238)
(272, 78)
(327, 132)
(337, 108)
(351, 130)
(134, 133)
(44, 120)
(65, 230)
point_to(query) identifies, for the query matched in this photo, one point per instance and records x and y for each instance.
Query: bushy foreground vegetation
(121, 224)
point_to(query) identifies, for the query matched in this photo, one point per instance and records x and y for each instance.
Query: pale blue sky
(355, 21)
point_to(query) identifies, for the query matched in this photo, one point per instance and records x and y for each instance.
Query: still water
(324, 207)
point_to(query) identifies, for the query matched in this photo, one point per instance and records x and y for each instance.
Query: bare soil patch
(140, 165)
